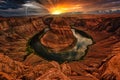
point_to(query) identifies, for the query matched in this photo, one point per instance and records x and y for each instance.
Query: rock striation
(60, 36)
(101, 62)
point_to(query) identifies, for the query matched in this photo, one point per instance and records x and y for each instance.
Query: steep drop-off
(98, 63)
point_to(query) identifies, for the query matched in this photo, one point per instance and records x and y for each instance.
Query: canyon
(100, 63)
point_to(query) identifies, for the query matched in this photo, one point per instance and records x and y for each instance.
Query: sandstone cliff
(101, 62)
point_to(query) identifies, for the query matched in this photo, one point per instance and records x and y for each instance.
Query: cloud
(23, 11)
(24, 8)
(39, 6)
(14, 4)
(90, 5)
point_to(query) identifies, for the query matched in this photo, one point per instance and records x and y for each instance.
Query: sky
(44, 7)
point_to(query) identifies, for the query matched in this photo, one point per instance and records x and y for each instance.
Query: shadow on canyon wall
(101, 62)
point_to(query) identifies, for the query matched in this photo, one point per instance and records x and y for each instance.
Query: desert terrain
(100, 63)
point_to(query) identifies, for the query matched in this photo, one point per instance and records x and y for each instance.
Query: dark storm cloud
(99, 4)
(5, 4)
(19, 6)
(85, 3)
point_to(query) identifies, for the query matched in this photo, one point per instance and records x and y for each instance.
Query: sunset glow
(56, 12)
(63, 8)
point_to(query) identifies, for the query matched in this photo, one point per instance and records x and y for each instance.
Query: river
(75, 53)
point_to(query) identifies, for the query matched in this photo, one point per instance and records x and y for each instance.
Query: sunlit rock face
(60, 42)
(100, 63)
(59, 37)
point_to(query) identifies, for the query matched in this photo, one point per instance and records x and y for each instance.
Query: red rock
(110, 69)
(53, 74)
(60, 36)
(15, 33)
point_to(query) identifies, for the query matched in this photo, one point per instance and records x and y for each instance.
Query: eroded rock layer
(60, 35)
(101, 62)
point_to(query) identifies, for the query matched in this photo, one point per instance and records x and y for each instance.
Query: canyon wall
(105, 31)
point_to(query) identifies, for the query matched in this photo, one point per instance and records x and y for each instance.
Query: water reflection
(75, 53)
(81, 45)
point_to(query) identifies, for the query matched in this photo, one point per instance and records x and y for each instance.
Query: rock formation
(101, 62)
(59, 37)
